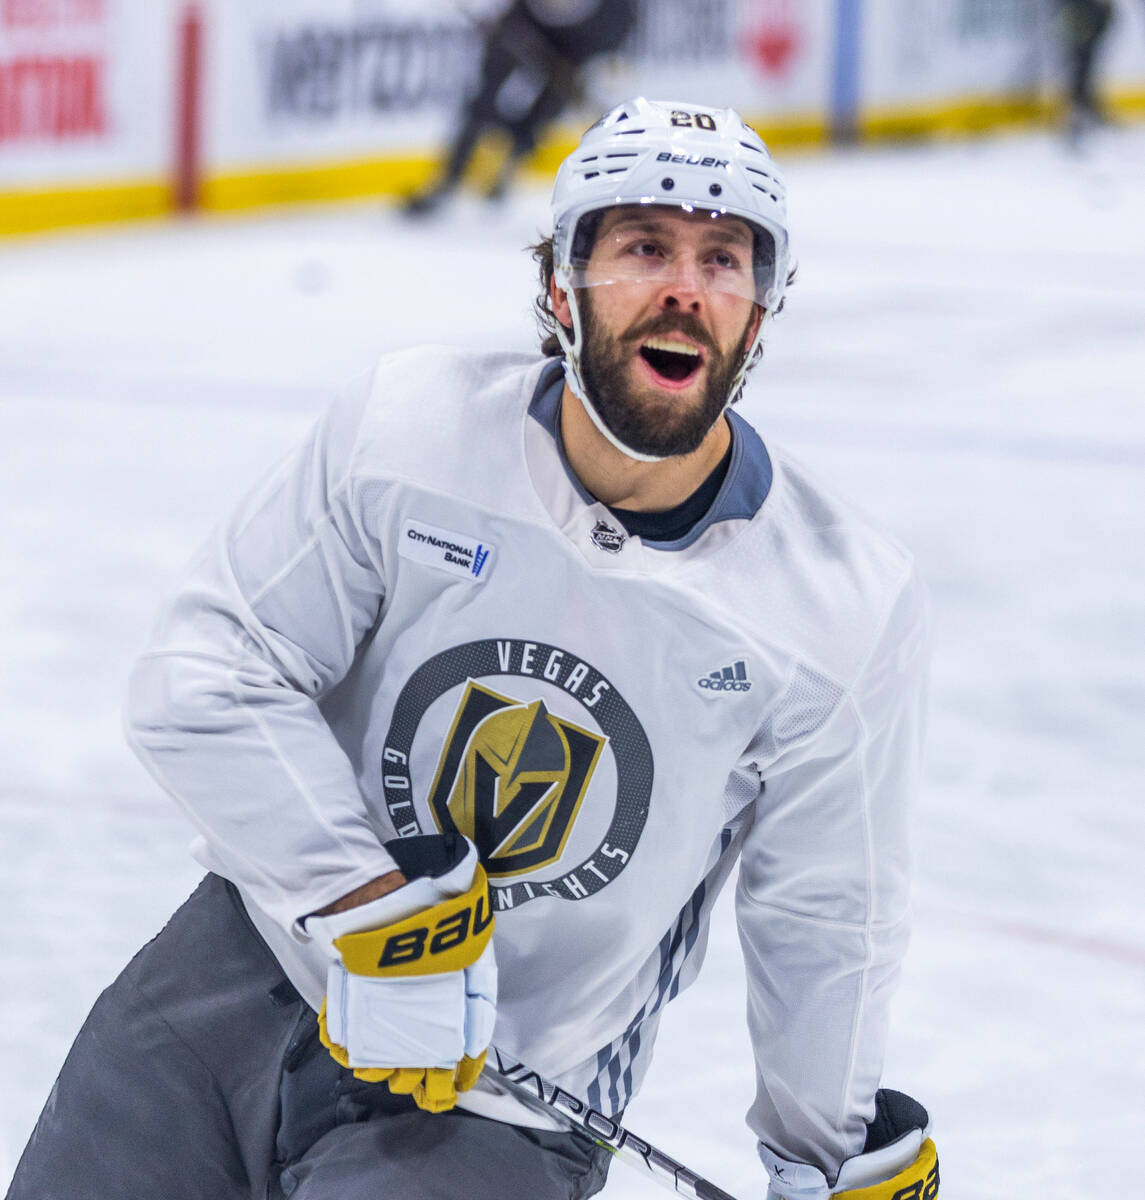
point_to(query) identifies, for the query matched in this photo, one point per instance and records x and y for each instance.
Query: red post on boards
(188, 107)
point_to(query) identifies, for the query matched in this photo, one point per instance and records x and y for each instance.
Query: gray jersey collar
(744, 489)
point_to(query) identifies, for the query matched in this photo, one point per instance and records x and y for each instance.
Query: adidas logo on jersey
(727, 679)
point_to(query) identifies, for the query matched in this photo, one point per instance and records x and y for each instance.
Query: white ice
(964, 355)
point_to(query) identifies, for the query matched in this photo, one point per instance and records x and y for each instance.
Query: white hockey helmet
(686, 156)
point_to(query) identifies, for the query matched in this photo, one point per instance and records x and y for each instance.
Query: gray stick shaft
(543, 1097)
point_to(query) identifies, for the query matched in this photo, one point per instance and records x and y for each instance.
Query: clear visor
(658, 246)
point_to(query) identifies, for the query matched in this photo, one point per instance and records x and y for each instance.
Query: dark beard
(605, 361)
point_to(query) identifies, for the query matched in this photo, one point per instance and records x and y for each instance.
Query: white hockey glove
(411, 997)
(899, 1161)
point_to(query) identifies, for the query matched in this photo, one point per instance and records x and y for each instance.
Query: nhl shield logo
(512, 777)
(607, 537)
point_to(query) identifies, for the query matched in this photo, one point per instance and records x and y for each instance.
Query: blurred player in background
(1083, 26)
(477, 702)
(532, 63)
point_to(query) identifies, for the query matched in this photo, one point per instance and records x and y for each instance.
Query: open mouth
(674, 360)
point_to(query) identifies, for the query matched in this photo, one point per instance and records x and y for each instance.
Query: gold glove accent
(433, 1089)
(919, 1181)
(450, 936)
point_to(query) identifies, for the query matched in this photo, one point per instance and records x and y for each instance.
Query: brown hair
(542, 253)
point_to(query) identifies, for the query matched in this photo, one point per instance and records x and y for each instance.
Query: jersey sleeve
(222, 707)
(822, 898)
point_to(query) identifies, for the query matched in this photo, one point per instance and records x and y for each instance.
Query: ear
(560, 304)
(758, 312)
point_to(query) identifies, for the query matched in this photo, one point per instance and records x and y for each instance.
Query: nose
(684, 290)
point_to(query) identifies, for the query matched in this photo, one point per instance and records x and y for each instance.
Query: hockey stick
(546, 1098)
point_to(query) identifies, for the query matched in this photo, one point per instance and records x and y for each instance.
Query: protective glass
(712, 252)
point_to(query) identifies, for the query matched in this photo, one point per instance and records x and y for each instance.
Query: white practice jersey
(422, 622)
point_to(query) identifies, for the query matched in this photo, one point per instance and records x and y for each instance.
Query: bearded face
(660, 383)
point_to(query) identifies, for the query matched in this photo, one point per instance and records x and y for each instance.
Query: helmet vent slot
(760, 188)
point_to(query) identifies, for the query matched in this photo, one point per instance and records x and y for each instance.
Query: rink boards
(122, 109)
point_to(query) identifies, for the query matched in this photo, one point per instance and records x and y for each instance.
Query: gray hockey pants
(199, 1075)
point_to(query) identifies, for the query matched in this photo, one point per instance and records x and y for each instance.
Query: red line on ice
(1081, 943)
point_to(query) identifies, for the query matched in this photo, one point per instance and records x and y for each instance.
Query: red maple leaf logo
(774, 45)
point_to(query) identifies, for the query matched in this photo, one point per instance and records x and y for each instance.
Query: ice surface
(964, 355)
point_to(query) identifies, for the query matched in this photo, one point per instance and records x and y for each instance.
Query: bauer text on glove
(412, 992)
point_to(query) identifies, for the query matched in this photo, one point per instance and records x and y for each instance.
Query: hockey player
(532, 61)
(476, 703)
(1083, 26)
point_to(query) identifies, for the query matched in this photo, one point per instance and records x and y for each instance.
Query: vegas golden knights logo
(512, 777)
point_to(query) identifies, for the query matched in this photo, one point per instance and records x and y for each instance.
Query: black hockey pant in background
(529, 75)
(199, 1075)
(1085, 24)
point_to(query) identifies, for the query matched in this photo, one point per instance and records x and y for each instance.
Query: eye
(645, 248)
(725, 259)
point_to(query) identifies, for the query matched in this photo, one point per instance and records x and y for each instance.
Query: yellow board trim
(33, 211)
(967, 115)
(310, 183)
(1126, 102)
(26, 210)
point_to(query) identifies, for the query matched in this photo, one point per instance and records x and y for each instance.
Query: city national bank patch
(458, 553)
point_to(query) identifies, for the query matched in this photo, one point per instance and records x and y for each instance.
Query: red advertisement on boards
(53, 70)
